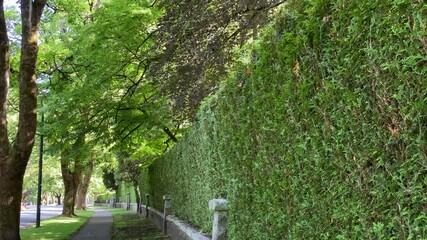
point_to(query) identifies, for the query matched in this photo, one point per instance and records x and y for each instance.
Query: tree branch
(170, 134)
(133, 130)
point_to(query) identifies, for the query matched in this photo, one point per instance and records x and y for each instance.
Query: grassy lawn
(131, 225)
(57, 228)
(120, 211)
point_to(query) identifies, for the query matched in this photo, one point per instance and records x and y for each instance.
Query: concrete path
(99, 227)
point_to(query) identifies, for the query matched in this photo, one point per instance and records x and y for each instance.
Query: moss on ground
(135, 226)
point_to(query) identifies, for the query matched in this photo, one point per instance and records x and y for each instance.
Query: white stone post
(166, 211)
(219, 227)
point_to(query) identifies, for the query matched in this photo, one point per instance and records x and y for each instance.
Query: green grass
(132, 226)
(120, 211)
(57, 228)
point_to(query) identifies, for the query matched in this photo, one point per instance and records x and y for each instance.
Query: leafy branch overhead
(111, 89)
(135, 67)
(195, 42)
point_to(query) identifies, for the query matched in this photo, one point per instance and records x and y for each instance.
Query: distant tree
(130, 171)
(25, 194)
(109, 179)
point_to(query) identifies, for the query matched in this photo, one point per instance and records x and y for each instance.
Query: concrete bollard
(147, 197)
(166, 211)
(219, 227)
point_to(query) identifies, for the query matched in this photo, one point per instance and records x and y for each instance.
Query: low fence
(174, 227)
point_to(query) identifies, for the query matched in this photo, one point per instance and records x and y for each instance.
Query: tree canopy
(129, 75)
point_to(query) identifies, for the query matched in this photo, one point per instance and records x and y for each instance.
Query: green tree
(66, 124)
(52, 185)
(102, 95)
(109, 180)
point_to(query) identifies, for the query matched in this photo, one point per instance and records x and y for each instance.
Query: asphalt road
(28, 216)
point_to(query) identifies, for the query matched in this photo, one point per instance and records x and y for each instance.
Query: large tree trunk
(10, 200)
(71, 176)
(71, 183)
(14, 158)
(84, 185)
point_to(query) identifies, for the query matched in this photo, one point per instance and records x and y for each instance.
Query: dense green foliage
(123, 190)
(195, 42)
(319, 132)
(102, 198)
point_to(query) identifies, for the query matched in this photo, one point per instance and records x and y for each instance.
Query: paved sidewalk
(99, 227)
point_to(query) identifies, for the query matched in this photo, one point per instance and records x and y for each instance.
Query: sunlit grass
(120, 211)
(57, 228)
(118, 214)
(131, 225)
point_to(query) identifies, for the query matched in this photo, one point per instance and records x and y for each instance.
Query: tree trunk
(14, 158)
(82, 193)
(138, 197)
(10, 201)
(83, 186)
(71, 183)
(58, 197)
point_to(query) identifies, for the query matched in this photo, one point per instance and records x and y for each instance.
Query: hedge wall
(102, 198)
(122, 191)
(320, 131)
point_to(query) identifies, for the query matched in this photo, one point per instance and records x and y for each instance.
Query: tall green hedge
(122, 191)
(320, 132)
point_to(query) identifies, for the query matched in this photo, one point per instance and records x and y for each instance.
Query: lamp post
(39, 189)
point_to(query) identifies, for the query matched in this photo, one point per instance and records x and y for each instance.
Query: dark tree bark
(14, 157)
(138, 197)
(71, 182)
(83, 186)
(71, 169)
(58, 197)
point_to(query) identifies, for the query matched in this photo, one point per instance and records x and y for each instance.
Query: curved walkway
(99, 227)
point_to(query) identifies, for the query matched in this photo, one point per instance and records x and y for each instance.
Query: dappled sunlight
(60, 227)
(65, 220)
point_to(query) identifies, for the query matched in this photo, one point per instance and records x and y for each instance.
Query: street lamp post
(39, 189)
